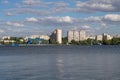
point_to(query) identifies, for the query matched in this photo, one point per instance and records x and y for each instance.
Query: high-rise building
(76, 35)
(107, 37)
(82, 35)
(70, 36)
(99, 37)
(57, 36)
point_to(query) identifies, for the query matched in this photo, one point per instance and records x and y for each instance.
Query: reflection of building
(76, 35)
(57, 36)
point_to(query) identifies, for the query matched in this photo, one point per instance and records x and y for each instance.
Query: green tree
(64, 40)
(45, 42)
(115, 41)
(52, 41)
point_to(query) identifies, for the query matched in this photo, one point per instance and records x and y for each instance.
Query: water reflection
(60, 63)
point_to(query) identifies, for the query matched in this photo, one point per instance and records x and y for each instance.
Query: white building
(70, 36)
(5, 37)
(107, 36)
(45, 37)
(82, 35)
(99, 37)
(57, 36)
(76, 35)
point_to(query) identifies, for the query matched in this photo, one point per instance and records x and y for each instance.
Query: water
(60, 63)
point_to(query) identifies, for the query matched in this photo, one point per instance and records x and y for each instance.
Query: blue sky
(29, 17)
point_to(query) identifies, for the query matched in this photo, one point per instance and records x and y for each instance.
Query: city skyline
(29, 17)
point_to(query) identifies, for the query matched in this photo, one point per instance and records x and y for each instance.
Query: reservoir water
(60, 63)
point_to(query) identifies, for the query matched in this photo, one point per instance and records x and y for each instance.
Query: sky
(36, 17)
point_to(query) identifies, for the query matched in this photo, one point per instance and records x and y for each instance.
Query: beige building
(45, 37)
(107, 36)
(5, 37)
(82, 35)
(76, 35)
(70, 36)
(57, 36)
(99, 37)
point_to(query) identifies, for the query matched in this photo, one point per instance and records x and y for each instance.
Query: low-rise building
(45, 37)
(90, 37)
(117, 36)
(5, 37)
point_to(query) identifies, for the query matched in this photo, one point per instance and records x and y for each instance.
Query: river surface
(60, 63)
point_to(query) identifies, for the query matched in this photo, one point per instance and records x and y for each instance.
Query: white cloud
(5, 1)
(93, 19)
(9, 14)
(14, 24)
(86, 27)
(70, 21)
(43, 8)
(112, 17)
(2, 31)
(98, 5)
(67, 19)
(32, 19)
(65, 22)
(29, 1)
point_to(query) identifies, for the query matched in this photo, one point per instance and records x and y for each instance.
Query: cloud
(2, 31)
(112, 17)
(32, 19)
(31, 2)
(86, 27)
(9, 14)
(66, 19)
(15, 24)
(46, 24)
(39, 7)
(4, 1)
(49, 8)
(98, 6)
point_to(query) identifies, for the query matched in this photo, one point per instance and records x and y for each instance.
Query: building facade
(107, 36)
(99, 38)
(82, 35)
(45, 37)
(70, 36)
(57, 36)
(76, 35)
